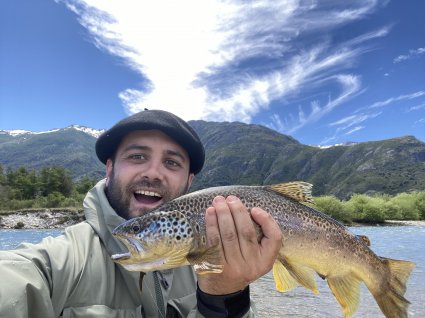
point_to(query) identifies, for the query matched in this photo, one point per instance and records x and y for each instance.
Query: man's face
(149, 169)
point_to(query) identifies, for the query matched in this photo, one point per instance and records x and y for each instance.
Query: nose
(153, 170)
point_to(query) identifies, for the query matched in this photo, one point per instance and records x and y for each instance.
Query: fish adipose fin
(364, 239)
(346, 290)
(206, 262)
(297, 190)
(290, 275)
(391, 299)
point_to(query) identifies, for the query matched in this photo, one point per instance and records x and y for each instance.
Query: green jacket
(73, 275)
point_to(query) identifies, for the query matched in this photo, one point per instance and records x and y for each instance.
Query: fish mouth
(121, 257)
(135, 249)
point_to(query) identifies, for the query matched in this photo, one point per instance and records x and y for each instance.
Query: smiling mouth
(147, 197)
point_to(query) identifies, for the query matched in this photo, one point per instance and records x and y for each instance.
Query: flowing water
(399, 242)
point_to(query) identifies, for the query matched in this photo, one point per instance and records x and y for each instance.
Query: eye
(137, 157)
(136, 228)
(172, 163)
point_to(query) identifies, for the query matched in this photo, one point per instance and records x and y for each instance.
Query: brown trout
(174, 235)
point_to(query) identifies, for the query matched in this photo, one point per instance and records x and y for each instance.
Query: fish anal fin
(346, 290)
(297, 190)
(283, 279)
(391, 300)
(206, 262)
(305, 276)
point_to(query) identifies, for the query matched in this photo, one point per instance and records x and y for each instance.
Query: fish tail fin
(346, 290)
(297, 190)
(391, 299)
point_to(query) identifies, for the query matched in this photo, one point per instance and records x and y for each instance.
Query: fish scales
(174, 235)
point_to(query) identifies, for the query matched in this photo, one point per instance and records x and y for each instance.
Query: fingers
(229, 224)
(227, 230)
(271, 242)
(244, 228)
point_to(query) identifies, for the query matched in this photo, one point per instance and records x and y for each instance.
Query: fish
(313, 243)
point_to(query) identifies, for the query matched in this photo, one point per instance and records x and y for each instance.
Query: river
(400, 242)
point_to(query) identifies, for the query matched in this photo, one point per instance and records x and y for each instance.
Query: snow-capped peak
(17, 132)
(91, 131)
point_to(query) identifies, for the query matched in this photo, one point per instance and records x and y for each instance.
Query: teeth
(149, 193)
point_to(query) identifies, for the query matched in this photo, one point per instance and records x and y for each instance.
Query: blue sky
(324, 72)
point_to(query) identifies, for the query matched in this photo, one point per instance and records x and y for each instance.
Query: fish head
(155, 241)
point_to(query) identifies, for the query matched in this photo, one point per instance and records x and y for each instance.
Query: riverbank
(61, 218)
(40, 219)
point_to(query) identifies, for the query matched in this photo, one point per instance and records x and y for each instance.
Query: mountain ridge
(239, 153)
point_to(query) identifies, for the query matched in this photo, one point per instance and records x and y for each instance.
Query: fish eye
(136, 228)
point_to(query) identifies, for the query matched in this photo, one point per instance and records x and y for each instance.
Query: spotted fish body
(174, 235)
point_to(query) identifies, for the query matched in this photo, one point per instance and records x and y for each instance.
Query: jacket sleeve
(33, 283)
(237, 305)
(25, 287)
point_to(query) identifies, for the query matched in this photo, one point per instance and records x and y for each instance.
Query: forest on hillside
(53, 187)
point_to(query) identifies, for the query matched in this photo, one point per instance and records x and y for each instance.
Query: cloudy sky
(324, 72)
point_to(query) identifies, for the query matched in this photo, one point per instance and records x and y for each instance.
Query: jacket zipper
(158, 292)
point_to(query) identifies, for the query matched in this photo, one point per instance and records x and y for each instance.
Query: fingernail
(219, 199)
(232, 198)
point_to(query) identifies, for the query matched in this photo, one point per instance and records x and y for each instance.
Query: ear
(109, 170)
(190, 180)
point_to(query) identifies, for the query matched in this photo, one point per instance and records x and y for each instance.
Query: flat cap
(173, 126)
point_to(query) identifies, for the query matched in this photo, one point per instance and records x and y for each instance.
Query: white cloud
(412, 53)
(352, 120)
(397, 99)
(417, 107)
(357, 128)
(191, 52)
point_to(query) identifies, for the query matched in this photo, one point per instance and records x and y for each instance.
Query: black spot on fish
(136, 228)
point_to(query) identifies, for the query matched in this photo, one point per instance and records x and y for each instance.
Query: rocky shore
(40, 219)
(61, 218)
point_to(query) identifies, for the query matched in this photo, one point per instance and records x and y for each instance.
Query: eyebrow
(168, 152)
(136, 147)
(176, 154)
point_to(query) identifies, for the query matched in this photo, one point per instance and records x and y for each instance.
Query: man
(151, 158)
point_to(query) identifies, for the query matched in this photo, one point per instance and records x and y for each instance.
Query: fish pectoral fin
(297, 190)
(305, 276)
(346, 290)
(176, 260)
(282, 278)
(206, 262)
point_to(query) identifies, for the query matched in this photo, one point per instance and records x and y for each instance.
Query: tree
(55, 179)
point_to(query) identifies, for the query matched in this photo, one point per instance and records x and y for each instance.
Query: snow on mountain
(90, 131)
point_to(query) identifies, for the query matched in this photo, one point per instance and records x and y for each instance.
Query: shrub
(334, 208)
(407, 205)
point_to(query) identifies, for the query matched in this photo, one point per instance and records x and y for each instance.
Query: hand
(229, 224)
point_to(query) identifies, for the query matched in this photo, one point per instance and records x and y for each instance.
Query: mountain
(240, 153)
(71, 148)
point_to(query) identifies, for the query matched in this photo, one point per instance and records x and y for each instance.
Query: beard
(120, 195)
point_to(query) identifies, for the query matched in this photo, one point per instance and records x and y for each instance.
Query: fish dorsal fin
(346, 290)
(282, 278)
(364, 239)
(297, 190)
